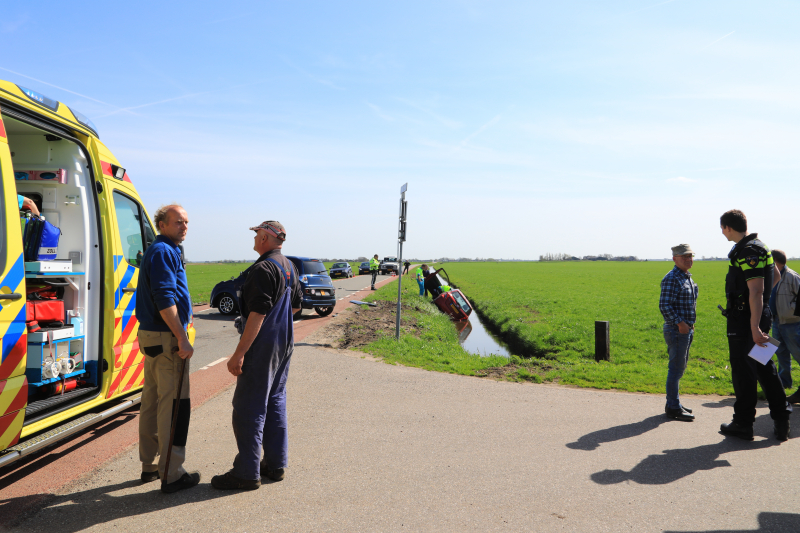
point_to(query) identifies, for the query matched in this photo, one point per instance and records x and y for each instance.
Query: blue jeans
(421, 288)
(678, 345)
(789, 337)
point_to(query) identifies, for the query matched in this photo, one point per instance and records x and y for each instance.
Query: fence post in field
(602, 341)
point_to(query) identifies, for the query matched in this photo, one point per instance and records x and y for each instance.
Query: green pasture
(203, 276)
(547, 311)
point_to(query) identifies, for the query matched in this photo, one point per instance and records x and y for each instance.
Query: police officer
(271, 295)
(374, 264)
(747, 288)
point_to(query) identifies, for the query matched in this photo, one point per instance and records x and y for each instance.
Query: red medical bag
(45, 311)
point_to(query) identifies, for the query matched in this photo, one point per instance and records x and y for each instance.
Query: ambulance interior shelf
(53, 274)
(52, 361)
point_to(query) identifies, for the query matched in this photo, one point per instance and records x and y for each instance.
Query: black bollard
(602, 341)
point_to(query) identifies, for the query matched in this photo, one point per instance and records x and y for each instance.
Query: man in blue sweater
(164, 311)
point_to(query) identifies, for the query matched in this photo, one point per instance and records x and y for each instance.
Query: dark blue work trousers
(259, 401)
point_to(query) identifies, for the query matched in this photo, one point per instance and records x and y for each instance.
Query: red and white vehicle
(453, 302)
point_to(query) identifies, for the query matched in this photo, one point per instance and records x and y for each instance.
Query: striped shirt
(678, 301)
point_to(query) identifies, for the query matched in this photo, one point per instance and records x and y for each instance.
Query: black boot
(737, 430)
(781, 430)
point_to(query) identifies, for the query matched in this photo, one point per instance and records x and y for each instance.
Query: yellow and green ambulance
(52, 385)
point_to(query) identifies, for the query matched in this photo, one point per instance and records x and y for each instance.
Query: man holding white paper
(747, 288)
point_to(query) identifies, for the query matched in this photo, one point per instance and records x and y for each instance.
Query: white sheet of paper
(763, 354)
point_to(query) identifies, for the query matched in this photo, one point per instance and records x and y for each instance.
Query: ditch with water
(475, 338)
(473, 335)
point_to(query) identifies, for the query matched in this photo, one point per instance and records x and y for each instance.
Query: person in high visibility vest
(373, 269)
(420, 276)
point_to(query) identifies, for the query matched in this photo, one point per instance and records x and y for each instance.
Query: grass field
(548, 310)
(203, 276)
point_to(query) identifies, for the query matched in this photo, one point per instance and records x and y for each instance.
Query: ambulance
(60, 380)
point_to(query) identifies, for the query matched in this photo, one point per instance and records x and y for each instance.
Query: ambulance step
(41, 405)
(53, 436)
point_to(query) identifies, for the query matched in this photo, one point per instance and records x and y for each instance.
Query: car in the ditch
(449, 301)
(341, 270)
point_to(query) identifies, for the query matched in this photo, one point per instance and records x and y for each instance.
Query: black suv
(318, 291)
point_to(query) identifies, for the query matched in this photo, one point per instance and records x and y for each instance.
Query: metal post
(401, 237)
(602, 341)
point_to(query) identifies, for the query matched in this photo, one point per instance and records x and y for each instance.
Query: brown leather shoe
(276, 474)
(147, 477)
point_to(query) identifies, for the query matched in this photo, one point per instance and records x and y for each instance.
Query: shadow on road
(672, 465)
(98, 506)
(592, 441)
(725, 402)
(767, 523)
(13, 509)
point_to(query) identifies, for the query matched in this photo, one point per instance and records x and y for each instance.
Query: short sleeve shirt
(265, 284)
(754, 263)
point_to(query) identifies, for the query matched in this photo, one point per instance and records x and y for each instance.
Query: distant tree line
(601, 257)
(558, 257)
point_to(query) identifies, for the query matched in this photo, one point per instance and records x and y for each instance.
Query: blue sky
(522, 128)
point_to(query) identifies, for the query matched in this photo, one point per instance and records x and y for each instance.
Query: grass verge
(429, 340)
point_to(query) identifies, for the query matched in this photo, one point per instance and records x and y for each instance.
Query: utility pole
(401, 238)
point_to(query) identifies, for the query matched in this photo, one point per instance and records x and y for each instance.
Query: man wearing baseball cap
(271, 295)
(678, 304)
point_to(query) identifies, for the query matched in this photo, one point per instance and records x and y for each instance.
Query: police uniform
(374, 264)
(750, 259)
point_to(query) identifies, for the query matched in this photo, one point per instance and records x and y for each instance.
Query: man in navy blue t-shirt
(164, 311)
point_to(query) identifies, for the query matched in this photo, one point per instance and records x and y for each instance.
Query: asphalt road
(28, 484)
(217, 337)
(377, 447)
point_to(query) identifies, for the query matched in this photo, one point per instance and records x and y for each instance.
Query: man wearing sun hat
(678, 305)
(271, 295)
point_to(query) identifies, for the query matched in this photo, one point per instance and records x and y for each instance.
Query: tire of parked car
(324, 311)
(226, 304)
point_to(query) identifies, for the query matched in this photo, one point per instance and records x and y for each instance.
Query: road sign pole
(401, 237)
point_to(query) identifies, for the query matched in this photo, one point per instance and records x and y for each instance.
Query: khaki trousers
(161, 374)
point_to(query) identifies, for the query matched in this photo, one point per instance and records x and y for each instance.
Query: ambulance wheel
(226, 305)
(324, 311)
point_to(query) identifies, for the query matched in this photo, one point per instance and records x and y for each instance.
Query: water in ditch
(475, 338)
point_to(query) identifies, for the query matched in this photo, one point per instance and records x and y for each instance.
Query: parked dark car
(363, 268)
(225, 294)
(318, 291)
(341, 269)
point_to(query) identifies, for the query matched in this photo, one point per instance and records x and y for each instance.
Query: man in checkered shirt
(678, 304)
